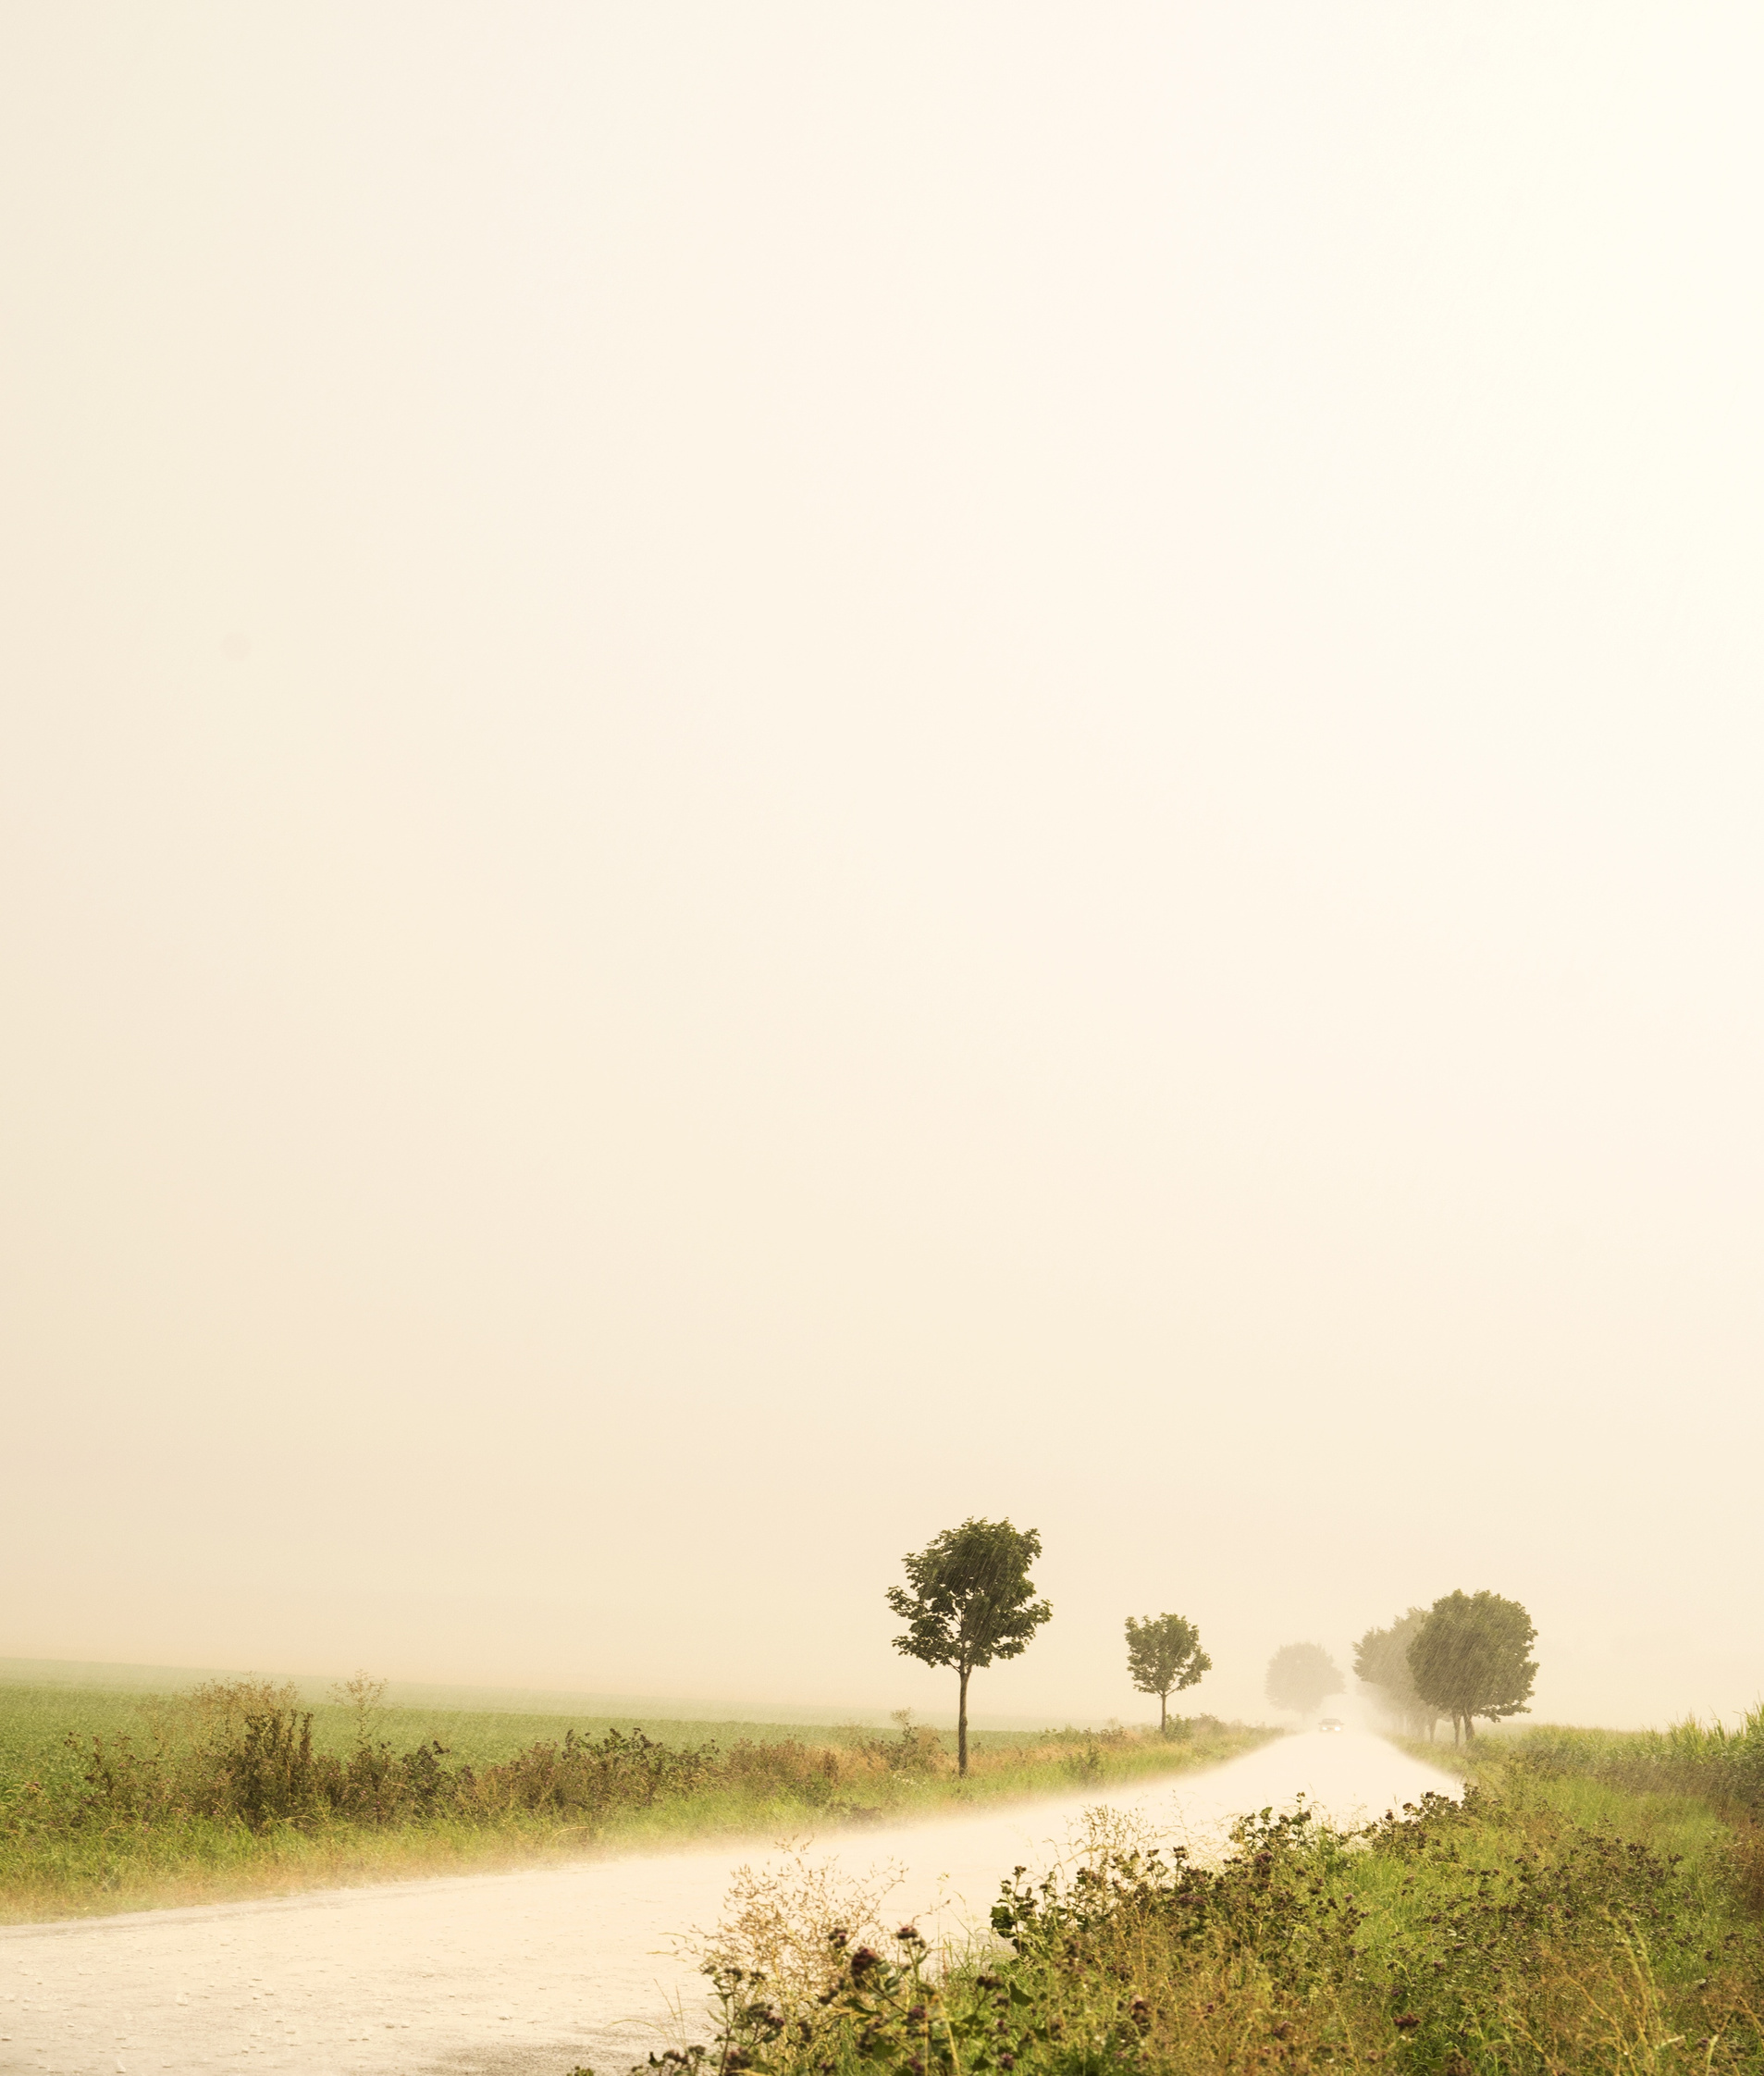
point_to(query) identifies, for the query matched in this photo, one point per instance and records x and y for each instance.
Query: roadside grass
(36, 1721)
(1672, 1818)
(1542, 1926)
(116, 1803)
(1707, 1759)
(36, 1718)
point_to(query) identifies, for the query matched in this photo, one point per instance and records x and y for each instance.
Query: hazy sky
(773, 772)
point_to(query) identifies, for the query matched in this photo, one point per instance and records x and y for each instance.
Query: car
(1332, 1723)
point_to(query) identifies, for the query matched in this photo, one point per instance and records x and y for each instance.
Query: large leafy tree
(1471, 1658)
(969, 1599)
(1301, 1677)
(1164, 1655)
(1381, 1660)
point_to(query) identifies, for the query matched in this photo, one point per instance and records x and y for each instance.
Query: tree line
(970, 1601)
(1466, 1656)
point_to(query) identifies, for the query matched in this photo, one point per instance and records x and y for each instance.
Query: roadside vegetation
(1723, 1766)
(1591, 1904)
(111, 1802)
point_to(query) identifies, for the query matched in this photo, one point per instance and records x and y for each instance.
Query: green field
(38, 1716)
(576, 1705)
(36, 1721)
(117, 1797)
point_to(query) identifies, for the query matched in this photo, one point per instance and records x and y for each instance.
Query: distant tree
(969, 1599)
(1381, 1660)
(1164, 1655)
(1301, 1675)
(1469, 1659)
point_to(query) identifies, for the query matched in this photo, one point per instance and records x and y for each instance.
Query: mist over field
(770, 774)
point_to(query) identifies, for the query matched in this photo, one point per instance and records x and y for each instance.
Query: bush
(1493, 1937)
(258, 1767)
(243, 1752)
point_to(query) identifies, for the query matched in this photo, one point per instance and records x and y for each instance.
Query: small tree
(1381, 1660)
(1164, 1655)
(1301, 1675)
(970, 1600)
(1468, 1659)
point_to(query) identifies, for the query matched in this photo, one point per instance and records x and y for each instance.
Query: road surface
(529, 1974)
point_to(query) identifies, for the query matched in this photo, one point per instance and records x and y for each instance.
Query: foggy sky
(772, 772)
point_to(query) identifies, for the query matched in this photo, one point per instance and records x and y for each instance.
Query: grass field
(121, 1799)
(36, 1723)
(427, 1698)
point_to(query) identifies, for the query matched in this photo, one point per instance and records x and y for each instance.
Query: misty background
(769, 773)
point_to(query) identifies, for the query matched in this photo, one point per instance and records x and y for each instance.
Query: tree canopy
(1381, 1660)
(1301, 1677)
(1164, 1655)
(969, 1599)
(1469, 1658)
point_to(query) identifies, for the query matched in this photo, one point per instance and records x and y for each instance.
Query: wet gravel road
(535, 1971)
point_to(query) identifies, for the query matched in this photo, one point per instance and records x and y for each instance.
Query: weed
(237, 1785)
(787, 1924)
(1498, 1935)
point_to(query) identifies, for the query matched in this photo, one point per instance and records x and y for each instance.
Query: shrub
(1492, 1937)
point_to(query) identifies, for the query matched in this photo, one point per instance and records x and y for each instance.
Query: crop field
(121, 1799)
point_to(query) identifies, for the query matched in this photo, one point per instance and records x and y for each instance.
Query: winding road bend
(529, 1974)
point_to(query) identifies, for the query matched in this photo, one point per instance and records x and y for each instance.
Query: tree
(1381, 1660)
(972, 1601)
(1299, 1675)
(1468, 1659)
(1164, 1655)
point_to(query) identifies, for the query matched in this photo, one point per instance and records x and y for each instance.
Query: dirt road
(535, 1971)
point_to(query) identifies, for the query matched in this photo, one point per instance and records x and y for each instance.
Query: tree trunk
(1163, 1712)
(961, 1729)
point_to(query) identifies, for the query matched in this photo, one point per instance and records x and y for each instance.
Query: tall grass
(1501, 1935)
(35, 1718)
(236, 1786)
(1724, 1767)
